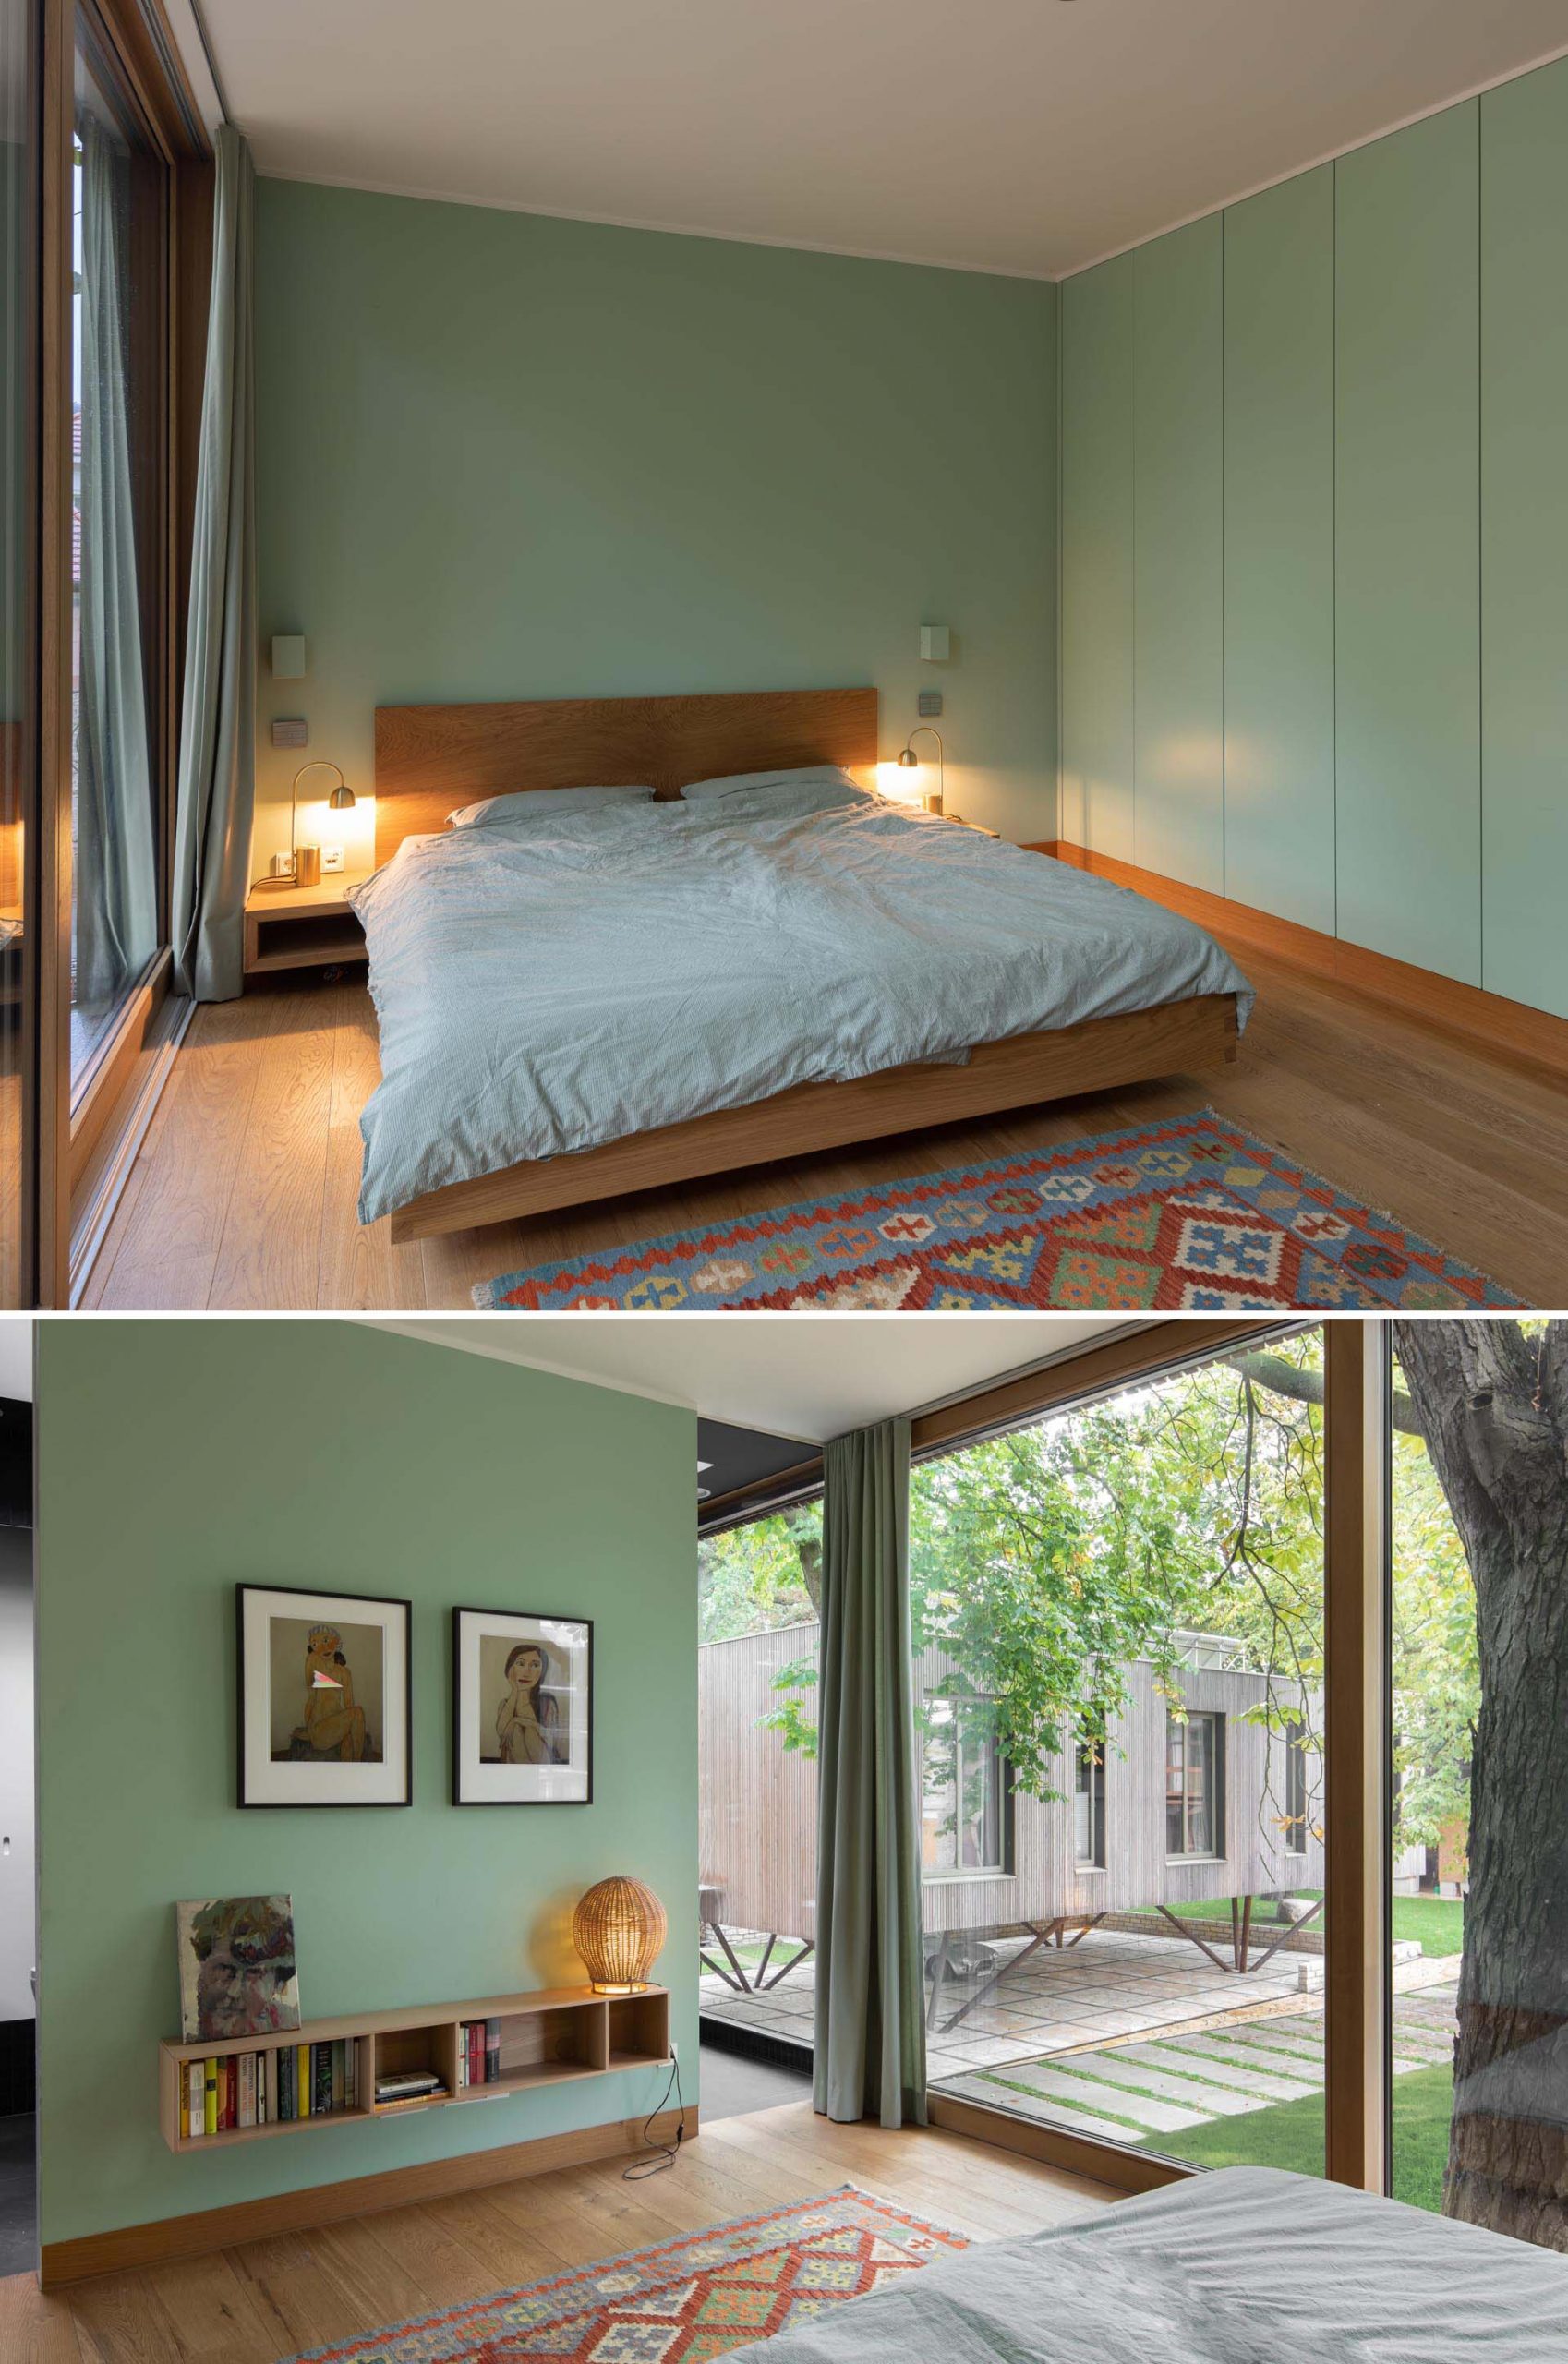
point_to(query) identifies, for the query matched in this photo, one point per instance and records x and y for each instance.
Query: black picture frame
(462, 1792)
(244, 1785)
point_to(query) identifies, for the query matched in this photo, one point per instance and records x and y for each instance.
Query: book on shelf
(492, 2052)
(232, 2092)
(408, 2085)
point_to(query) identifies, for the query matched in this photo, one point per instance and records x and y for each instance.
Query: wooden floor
(267, 2299)
(243, 1196)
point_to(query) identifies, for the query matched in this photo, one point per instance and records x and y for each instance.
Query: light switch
(288, 656)
(935, 641)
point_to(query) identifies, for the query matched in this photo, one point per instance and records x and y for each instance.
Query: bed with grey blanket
(554, 983)
(1245, 2266)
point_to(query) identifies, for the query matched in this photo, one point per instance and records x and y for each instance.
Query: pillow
(544, 804)
(811, 776)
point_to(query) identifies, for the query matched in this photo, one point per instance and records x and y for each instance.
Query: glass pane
(759, 1596)
(961, 1805)
(1132, 1595)
(14, 592)
(116, 480)
(1478, 1918)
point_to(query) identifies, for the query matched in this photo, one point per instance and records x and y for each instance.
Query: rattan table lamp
(617, 1929)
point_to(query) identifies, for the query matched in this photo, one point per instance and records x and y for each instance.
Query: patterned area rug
(1193, 1214)
(680, 2303)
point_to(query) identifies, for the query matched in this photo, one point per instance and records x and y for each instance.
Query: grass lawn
(1435, 1922)
(1291, 2135)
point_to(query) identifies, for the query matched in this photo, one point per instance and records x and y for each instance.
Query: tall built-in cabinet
(1314, 501)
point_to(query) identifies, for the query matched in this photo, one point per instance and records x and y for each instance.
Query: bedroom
(1034, 1837)
(1108, 456)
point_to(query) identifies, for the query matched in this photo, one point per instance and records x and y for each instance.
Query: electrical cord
(665, 2153)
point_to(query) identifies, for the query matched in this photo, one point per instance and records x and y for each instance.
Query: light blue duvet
(545, 985)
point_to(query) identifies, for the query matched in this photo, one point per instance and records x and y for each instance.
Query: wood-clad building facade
(758, 1800)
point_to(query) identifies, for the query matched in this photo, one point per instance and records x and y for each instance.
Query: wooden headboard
(430, 759)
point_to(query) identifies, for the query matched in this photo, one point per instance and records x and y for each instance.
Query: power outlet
(332, 858)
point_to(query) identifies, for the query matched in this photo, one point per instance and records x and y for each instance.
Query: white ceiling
(812, 1377)
(1027, 136)
(15, 1357)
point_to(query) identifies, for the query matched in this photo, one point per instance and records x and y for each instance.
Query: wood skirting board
(330, 2203)
(1510, 1028)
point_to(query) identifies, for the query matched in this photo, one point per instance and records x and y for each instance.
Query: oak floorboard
(355, 2277)
(270, 1256)
(1470, 1150)
(36, 2326)
(424, 2246)
(212, 2310)
(361, 1269)
(162, 1247)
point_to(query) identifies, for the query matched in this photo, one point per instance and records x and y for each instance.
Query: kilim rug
(1191, 1214)
(680, 2303)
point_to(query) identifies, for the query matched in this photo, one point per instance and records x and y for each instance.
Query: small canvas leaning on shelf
(237, 1972)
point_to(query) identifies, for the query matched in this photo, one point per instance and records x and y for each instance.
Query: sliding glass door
(1119, 1654)
(118, 588)
(1478, 1911)
(17, 617)
(759, 1602)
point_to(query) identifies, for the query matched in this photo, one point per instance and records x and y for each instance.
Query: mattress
(550, 986)
(1247, 2265)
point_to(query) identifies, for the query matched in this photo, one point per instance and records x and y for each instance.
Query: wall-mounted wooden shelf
(547, 2038)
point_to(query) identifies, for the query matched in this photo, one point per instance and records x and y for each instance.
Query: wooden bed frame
(430, 759)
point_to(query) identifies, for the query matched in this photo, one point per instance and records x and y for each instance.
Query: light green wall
(178, 1458)
(505, 457)
(1392, 498)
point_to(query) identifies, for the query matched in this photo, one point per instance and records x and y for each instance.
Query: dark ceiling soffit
(1092, 1372)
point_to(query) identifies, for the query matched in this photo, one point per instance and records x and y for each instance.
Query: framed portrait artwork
(326, 1698)
(522, 1709)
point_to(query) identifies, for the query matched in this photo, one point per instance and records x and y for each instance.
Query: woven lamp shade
(617, 1929)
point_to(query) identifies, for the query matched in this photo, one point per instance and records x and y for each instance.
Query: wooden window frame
(74, 1131)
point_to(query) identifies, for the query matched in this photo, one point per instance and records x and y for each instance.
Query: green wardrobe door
(1096, 545)
(1408, 570)
(1524, 538)
(1279, 550)
(1178, 546)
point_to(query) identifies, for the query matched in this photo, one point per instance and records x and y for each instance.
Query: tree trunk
(1493, 1406)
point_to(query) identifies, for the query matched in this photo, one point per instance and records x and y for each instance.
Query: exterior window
(964, 1807)
(1089, 1803)
(1296, 1788)
(1194, 1768)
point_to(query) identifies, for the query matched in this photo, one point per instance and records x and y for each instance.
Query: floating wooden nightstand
(547, 2038)
(958, 822)
(302, 927)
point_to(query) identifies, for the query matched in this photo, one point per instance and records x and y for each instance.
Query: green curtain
(217, 775)
(870, 1966)
(115, 871)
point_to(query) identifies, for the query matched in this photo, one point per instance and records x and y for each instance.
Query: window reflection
(116, 312)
